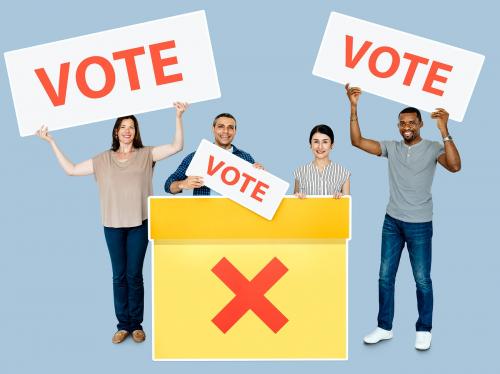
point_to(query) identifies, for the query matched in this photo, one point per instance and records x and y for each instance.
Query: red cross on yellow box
(250, 295)
(229, 284)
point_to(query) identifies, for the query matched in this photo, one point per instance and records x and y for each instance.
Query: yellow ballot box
(229, 284)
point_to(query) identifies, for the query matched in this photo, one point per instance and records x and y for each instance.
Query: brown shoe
(139, 336)
(119, 336)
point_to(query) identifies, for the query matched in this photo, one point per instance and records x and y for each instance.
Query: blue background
(56, 307)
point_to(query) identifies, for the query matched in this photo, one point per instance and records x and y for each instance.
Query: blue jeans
(127, 249)
(418, 239)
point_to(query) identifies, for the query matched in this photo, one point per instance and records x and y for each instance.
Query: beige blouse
(124, 187)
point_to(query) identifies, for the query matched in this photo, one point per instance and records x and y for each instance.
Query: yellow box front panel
(311, 294)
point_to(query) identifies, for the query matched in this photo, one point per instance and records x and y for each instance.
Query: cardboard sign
(237, 179)
(416, 71)
(123, 71)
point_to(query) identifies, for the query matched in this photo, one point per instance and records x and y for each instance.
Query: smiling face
(409, 127)
(321, 145)
(224, 130)
(126, 131)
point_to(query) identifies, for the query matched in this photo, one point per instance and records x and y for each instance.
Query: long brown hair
(137, 142)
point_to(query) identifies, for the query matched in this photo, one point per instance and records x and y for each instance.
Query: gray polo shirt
(411, 171)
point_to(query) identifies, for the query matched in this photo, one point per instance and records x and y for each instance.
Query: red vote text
(231, 176)
(128, 57)
(435, 73)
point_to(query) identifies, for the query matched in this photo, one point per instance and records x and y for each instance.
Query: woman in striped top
(321, 176)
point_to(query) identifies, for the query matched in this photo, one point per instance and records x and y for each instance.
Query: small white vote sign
(237, 179)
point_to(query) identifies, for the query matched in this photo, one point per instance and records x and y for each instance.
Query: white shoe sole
(422, 349)
(378, 341)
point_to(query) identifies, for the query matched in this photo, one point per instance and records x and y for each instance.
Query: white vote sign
(416, 71)
(237, 179)
(108, 74)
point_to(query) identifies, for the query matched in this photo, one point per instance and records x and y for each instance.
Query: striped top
(329, 181)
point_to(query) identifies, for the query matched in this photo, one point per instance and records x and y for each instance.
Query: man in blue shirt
(224, 129)
(408, 221)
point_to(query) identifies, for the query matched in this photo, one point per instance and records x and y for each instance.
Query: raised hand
(180, 108)
(353, 94)
(442, 120)
(43, 133)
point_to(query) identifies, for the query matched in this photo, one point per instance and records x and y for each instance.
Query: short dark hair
(322, 129)
(136, 143)
(227, 115)
(411, 109)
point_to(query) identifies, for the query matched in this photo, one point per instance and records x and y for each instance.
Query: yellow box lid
(218, 218)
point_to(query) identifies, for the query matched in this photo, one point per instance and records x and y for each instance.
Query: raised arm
(83, 168)
(357, 140)
(450, 159)
(163, 151)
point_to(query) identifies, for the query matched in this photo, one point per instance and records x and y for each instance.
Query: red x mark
(249, 295)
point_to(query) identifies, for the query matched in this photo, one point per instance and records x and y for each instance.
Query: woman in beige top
(124, 176)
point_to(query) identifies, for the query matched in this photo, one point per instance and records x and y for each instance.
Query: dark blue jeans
(418, 239)
(127, 249)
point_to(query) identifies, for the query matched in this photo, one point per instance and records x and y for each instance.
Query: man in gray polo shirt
(408, 220)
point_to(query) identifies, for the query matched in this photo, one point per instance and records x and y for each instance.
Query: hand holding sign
(442, 120)
(258, 166)
(43, 133)
(353, 93)
(191, 182)
(180, 108)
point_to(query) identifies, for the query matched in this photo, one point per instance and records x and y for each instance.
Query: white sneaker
(423, 340)
(377, 335)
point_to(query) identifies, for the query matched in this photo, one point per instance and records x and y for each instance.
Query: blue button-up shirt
(180, 173)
